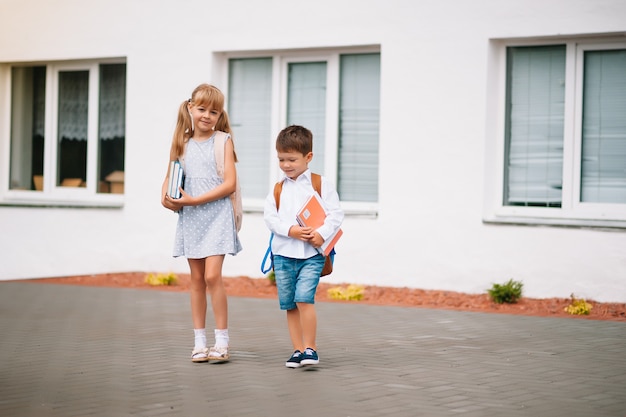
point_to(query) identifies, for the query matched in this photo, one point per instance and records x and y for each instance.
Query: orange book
(312, 214)
(329, 243)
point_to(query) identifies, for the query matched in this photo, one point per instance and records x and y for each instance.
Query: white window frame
(572, 212)
(332, 109)
(53, 194)
(280, 64)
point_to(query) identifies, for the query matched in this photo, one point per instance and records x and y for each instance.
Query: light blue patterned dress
(207, 229)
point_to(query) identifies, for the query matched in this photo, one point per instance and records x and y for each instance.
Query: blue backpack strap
(278, 188)
(268, 254)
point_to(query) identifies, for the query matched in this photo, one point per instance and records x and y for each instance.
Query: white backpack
(235, 197)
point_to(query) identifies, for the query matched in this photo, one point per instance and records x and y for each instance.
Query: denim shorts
(297, 279)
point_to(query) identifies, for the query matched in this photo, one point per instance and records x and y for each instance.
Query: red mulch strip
(388, 296)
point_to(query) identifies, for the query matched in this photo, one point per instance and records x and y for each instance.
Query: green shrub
(272, 277)
(509, 292)
(162, 279)
(578, 306)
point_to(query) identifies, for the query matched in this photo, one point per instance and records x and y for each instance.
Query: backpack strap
(219, 142)
(278, 188)
(316, 180)
(268, 255)
(218, 147)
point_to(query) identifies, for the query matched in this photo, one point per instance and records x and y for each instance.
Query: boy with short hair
(297, 263)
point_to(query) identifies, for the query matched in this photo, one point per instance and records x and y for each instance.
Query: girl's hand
(167, 202)
(173, 204)
(185, 199)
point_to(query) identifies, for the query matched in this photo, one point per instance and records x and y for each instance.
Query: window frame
(280, 65)
(572, 212)
(54, 195)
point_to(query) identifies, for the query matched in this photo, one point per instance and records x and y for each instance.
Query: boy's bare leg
(308, 322)
(295, 329)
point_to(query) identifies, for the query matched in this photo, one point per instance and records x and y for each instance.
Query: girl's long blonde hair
(204, 95)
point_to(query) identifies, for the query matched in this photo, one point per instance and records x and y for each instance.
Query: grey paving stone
(82, 351)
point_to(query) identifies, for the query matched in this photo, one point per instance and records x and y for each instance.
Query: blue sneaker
(294, 361)
(309, 357)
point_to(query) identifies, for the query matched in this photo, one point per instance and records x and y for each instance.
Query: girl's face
(293, 163)
(204, 119)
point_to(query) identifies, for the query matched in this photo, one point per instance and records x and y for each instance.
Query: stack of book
(176, 179)
(312, 214)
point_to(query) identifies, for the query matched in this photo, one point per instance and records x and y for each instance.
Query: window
(563, 140)
(67, 133)
(336, 94)
(603, 127)
(534, 120)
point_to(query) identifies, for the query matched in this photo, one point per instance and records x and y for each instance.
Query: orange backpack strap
(316, 179)
(278, 188)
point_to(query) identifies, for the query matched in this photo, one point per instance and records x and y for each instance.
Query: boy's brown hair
(295, 138)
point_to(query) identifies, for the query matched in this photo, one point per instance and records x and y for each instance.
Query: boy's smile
(293, 163)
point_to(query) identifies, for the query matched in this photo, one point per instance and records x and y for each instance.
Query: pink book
(312, 214)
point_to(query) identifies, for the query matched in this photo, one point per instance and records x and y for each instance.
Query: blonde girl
(205, 231)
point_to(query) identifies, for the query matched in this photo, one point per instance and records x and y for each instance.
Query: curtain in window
(306, 105)
(39, 101)
(73, 104)
(534, 126)
(359, 111)
(72, 127)
(249, 110)
(112, 111)
(111, 123)
(603, 173)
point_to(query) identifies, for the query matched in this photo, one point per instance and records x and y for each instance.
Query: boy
(297, 263)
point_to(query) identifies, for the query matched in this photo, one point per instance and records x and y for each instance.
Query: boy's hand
(307, 234)
(316, 240)
(301, 233)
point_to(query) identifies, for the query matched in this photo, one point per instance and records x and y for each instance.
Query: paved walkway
(83, 351)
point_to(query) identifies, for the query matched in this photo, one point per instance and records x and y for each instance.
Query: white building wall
(434, 88)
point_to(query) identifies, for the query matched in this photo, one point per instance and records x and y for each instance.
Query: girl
(206, 227)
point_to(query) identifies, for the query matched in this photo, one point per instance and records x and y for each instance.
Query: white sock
(221, 338)
(200, 338)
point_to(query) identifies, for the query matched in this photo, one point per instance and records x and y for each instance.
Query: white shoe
(219, 354)
(200, 355)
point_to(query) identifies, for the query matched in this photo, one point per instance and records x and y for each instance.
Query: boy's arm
(334, 212)
(279, 227)
(271, 218)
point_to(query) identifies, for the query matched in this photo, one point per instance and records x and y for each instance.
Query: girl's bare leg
(198, 293)
(215, 284)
